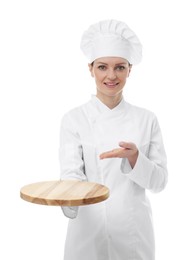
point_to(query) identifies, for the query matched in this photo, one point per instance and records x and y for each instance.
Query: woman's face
(110, 74)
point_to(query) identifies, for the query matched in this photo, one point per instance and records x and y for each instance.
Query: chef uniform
(119, 228)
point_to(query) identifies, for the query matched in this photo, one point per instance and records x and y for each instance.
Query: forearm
(133, 159)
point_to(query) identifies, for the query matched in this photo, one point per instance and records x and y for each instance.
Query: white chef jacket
(119, 228)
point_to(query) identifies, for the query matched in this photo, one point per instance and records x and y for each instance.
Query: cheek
(124, 78)
(98, 82)
(99, 77)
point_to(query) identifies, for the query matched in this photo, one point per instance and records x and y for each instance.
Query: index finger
(110, 154)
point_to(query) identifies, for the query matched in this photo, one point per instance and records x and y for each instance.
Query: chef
(114, 143)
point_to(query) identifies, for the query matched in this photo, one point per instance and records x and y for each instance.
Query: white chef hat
(111, 38)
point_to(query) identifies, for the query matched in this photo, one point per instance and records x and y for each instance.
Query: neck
(110, 102)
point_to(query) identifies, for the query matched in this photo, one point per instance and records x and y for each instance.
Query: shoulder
(141, 116)
(75, 113)
(140, 111)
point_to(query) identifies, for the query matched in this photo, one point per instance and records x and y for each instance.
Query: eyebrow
(122, 63)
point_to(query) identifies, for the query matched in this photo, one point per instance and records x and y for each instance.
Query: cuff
(141, 172)
(70, 212)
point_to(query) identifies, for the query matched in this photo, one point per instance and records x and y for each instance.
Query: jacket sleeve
(70, 152)
(71, 158)
(150, 170)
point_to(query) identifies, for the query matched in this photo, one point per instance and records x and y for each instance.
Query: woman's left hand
(127, 150)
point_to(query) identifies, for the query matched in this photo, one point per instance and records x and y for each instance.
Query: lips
(111, 84)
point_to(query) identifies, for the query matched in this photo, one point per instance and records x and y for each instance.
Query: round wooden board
(64, 193)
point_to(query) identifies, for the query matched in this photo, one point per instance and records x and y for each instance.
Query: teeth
(111, 84)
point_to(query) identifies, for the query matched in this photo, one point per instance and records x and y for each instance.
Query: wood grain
(64, 193)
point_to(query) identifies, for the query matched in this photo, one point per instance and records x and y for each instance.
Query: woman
(112, 142)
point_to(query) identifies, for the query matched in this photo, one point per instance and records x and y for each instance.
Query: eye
(120, 67)
(102, 67)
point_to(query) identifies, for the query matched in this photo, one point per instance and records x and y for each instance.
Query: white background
(43, 74)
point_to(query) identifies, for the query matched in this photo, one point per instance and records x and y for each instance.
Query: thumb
(126, 145)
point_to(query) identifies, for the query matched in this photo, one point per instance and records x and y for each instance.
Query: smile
(111, 84)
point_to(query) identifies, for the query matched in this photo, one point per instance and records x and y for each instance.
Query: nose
(111, 74)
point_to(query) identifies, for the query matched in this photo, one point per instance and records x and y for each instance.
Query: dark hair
(93, 64)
